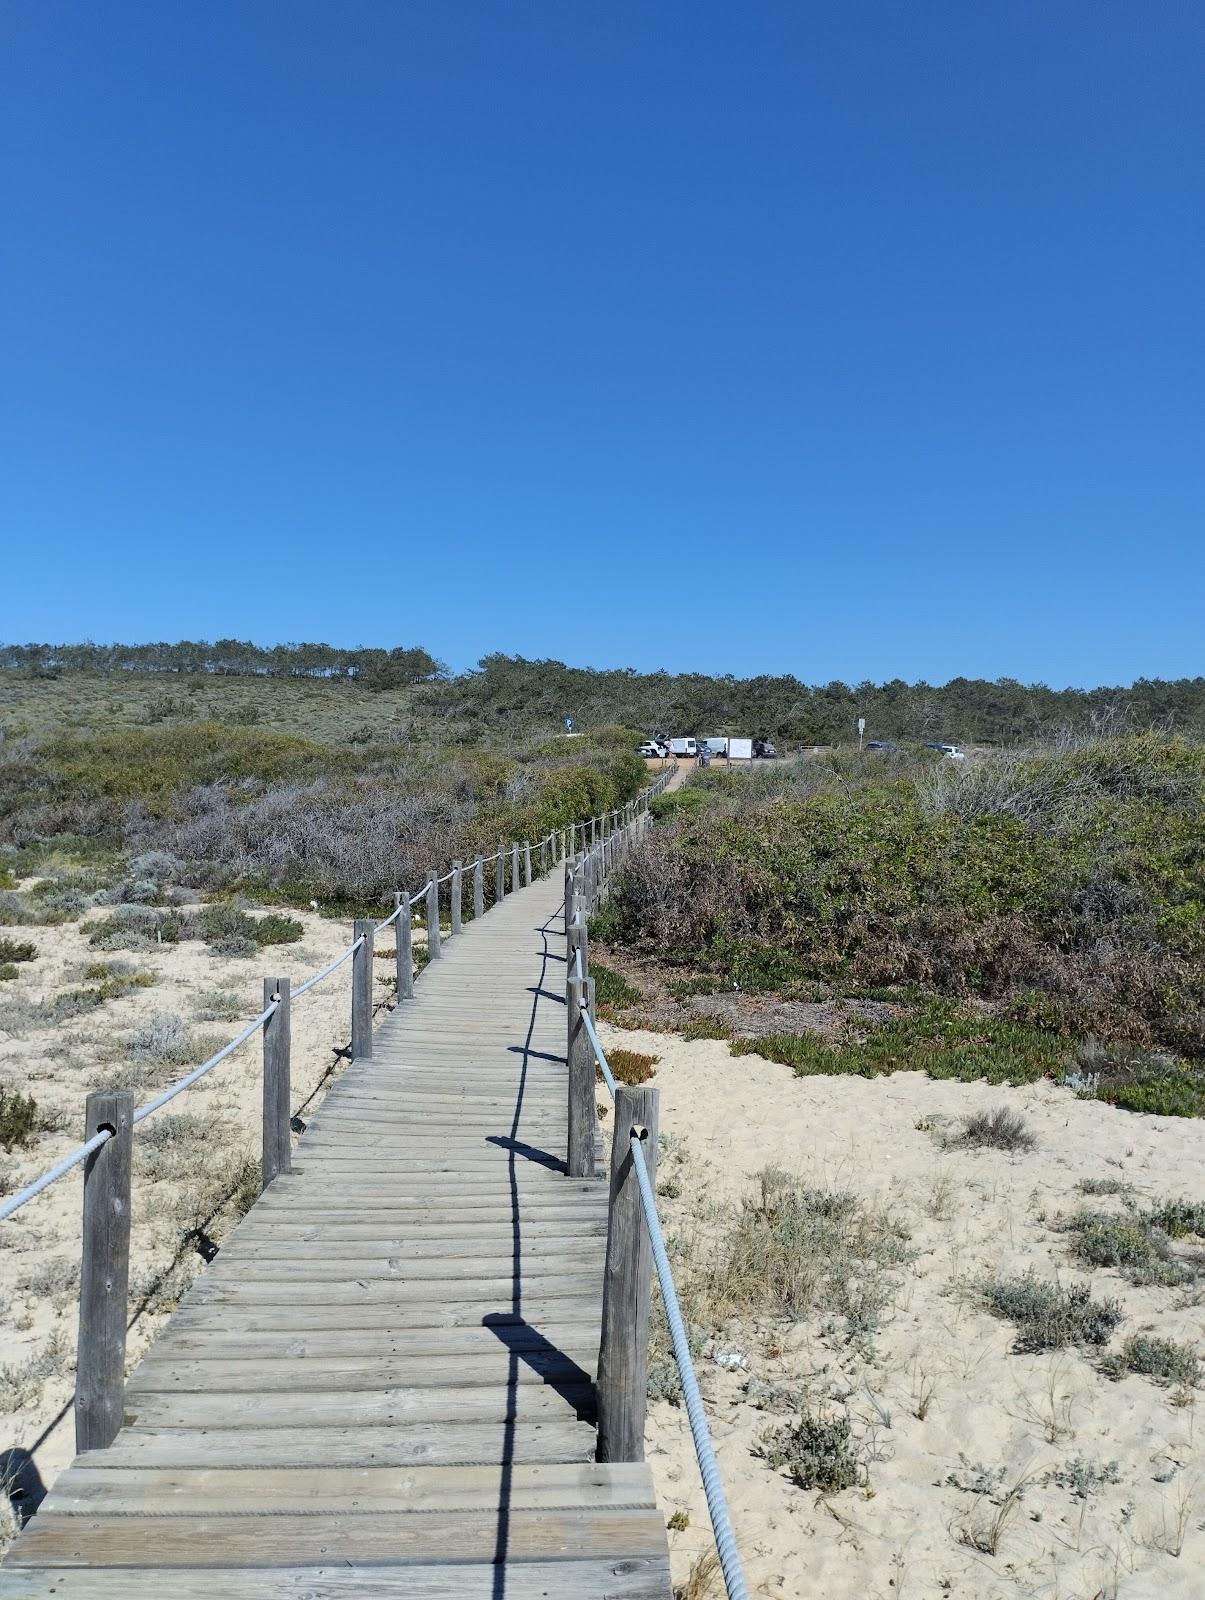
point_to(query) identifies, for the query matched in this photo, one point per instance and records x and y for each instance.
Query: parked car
(683, 747)
(654, 748)
(763, 750)
(885, 747)
(955, 752)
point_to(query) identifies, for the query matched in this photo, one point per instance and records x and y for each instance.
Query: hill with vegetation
(406, 691)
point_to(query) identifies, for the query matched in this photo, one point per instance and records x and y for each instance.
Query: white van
(683, 747)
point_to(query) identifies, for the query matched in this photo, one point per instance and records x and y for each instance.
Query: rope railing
(206, 1066)
(709, 1471)
(331, 966)
(80, 1153)
(604, 1066)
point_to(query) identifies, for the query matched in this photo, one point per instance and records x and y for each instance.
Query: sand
(969, 1212)
(60, 1066)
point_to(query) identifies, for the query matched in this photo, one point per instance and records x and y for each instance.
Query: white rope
(709, 1471)
(80, 1153)
(206, 1066)
(604, 1066)
(392, 917)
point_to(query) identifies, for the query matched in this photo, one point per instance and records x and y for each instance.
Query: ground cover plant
(1029, 915)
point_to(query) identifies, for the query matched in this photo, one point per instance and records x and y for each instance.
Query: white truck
(683, 747)
(740, 749)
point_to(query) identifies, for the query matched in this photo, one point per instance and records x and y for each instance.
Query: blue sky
(855, 340)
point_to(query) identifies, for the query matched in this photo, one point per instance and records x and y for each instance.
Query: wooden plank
(492, 1402)
(368, 1237)
(616, 1578)
(365, 1345)
(539, 1439)
(354, 1313)
(577, 1256)
(270, 1541)
(233, 1491)
(499, 1366)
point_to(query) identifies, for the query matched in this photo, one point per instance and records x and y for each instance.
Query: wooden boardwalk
(383, 1384)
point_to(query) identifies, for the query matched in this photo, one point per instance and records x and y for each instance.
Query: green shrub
(19, 1119)
(817, 1452)
(1161, 1359)
(676, 802)
(8, 971)
(17, 950)
(1128, 1244)
(1064, 888)
(1180, 1217)
(277, 929)
(1048, 1316)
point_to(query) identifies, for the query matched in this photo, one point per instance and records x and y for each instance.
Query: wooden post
(514, 866)
(526, 864)
(627, 1283)
(405, 948)
(478, 888)
(361, 991)
(500, 878)
(593, 831)
(433, 950)
(543, 855)
(457, 894)
(104, 1273)
(277, 1149)
(583, 1094)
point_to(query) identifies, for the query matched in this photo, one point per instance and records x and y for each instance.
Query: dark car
(763, 750)
(885, 745)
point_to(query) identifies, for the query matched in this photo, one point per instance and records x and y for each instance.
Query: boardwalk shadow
(524, 1343)
(529, 1152)
(560, 1372)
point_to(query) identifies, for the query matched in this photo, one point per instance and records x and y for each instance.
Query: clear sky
(852, 340)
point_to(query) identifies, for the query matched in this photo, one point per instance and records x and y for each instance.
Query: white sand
(903, 1537)
(47, 1230)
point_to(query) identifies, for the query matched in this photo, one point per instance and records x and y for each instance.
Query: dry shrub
(791, 1250)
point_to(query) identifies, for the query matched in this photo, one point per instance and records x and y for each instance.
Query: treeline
(376, 669)
(509, 695)
(509, 689)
